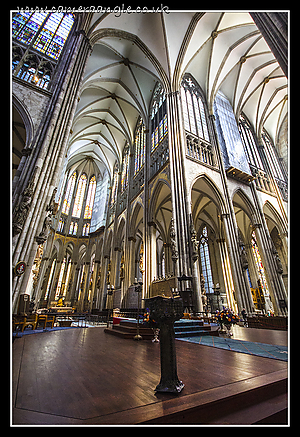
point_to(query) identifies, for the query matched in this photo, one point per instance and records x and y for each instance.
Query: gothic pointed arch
(272, 214)
(160, 190)
(204, 184)
(244, 212)
(26, 118)
(136, 219)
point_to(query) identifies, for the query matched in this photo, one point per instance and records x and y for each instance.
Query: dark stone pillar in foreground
(165, 311)
(274, 28)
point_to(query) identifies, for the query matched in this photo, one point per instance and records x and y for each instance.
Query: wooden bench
(24, 321)
(43, 319)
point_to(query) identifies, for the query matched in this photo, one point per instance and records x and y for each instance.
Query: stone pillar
(274, 28)
(241, 288)
(48, 150)
(152, 265)
(178, 183)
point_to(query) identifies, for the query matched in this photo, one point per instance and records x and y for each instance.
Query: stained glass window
(79, 196)
(272, 157)
(86, 229)
(50, 279)
(60, 278)
(73, 228)
(259, 264)
(139, 142)
(205, 261)
(249, 143)
(69, 193)
(51, 38)
(90, 198)
(125, 165)
(114, 184)
(67, 277)
(194, 116)
(60, 225)
(159, 121)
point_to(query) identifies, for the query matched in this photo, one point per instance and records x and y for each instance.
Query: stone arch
(278, 236)
(120, 232)
(244, 213)
(206, 185)
(26, 118)
(122, 34)
(273, 215)
(207, 203)
(155, 194)
(108, 243)
(136, 219)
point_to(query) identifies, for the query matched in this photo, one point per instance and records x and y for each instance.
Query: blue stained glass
(52, 37)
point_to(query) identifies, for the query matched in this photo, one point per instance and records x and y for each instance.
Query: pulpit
(165, 311)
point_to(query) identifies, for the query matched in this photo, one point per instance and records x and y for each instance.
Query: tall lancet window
(139, 143)
(90, 198)
(125, 167)
(159, 120)
(114, 184)
(79, 196)
(69, 194)
(194, 116)
(249, 143)
(205, 261)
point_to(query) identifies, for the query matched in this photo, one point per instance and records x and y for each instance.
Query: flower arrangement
(151, 323)
(148, 320)
(227, 317)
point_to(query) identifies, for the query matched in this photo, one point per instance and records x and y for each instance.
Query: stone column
(49, 149)
(178, 183)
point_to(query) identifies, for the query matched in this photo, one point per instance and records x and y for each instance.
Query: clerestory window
(194, 116)
(37, 42)
(45, 32)
(159, 119)
(139, 143)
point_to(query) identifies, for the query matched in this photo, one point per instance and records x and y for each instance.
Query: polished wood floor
(82, 376)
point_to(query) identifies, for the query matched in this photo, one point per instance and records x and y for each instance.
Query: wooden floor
(84, 376)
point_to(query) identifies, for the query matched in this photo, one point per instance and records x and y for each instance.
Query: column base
(173, 387)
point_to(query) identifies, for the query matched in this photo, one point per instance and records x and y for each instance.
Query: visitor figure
(244, 314)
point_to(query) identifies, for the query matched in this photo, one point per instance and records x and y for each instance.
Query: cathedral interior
(150, 149)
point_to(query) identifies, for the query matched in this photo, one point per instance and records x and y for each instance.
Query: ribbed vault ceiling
(223, 51)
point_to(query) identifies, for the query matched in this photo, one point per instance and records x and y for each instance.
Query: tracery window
(139, 143)
(125, 167)
(86, 229)
(79, 196)
(194, 116)
(45, 35)
(60, 278)
(159, 119)
(50, 279)
(67, 277)
(249, 143)
(272, 156)
(46, 32)
(258, 263)
(90, 198)
(73, 228)
(61, 224)
(205, 261)
(114, 184)
(69, 193)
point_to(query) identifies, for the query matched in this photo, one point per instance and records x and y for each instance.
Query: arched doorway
(212, 267)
